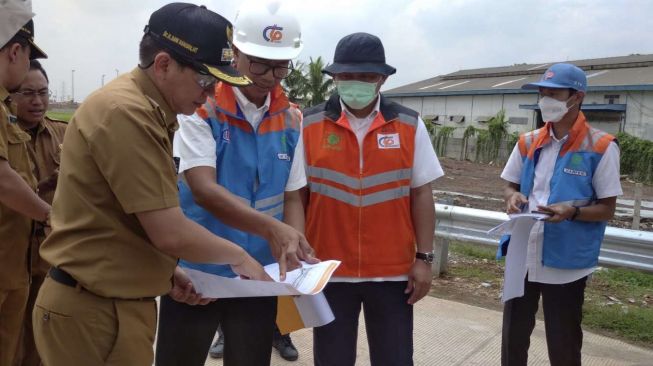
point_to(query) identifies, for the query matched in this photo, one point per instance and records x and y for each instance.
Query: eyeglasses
(279, 72)
(29, 93)
(205, 81)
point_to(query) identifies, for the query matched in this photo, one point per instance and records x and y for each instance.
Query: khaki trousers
(12, 310)
(74, 327)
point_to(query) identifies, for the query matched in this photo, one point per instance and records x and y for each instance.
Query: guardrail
(621, 247)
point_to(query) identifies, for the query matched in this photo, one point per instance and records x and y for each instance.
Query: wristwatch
(426, 257)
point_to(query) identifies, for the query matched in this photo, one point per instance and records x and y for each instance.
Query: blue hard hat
(561, 76)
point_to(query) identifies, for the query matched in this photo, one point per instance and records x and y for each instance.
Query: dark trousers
(388, 320)
(186, 332)
(563, 313)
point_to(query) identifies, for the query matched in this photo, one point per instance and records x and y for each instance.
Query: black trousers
(563, 313)
(388, 321)
(185, 331)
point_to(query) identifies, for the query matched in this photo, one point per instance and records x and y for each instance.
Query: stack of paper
(306, 308)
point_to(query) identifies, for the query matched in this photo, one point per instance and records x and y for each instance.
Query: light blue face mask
(356, 94)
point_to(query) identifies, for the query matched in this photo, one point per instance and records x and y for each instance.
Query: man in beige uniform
(19, 203)
(32, 98)
(117, 229)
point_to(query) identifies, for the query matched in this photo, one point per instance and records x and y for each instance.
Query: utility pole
(117, 72)
(102, 79)
(72, 78)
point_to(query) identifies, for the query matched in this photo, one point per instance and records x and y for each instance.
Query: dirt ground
(482, 180)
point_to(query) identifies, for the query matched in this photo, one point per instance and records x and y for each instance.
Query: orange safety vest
(361, 215)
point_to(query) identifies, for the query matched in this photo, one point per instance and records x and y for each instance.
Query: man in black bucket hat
(117, 228)
(369, 165)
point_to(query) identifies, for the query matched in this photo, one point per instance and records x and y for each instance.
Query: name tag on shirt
(575, 172)
(283, 156)
(388, 141)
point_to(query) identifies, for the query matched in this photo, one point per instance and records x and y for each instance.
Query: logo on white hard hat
(273, 33)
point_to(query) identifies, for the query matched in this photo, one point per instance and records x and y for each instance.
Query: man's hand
(559, 212)
(419, 281)
(515, 202)
(289, 247)
(250, 269)
(183, 291)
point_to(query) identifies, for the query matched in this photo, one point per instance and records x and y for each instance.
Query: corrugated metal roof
(613, 73)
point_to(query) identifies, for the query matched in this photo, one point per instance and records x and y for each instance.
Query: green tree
(295, 84)
(318, 85)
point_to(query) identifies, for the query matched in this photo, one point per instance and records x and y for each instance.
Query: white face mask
(552, 109)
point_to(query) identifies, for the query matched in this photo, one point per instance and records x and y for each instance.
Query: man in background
(44, 148)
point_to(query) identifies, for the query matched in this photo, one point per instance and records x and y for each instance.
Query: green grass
(60, 115)
(631, 319)
(631, 323)
(472, 251)
(475, 273)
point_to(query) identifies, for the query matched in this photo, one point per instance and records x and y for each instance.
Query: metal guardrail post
(637, 206)
(441, 243)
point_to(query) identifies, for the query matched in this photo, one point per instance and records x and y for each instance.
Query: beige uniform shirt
(44, 149)
(116, 161)
(15, 228)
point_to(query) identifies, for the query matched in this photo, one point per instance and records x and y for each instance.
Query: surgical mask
(356, 94)
(552, 109)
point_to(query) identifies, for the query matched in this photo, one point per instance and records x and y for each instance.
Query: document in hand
(310, 279)
(508, 226)
(519, 227)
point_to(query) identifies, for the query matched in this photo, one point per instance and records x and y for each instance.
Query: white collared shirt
(426, 166)
(195, 146)
(605, 182)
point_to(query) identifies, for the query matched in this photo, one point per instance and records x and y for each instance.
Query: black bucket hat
(359, 52)
(199, 37)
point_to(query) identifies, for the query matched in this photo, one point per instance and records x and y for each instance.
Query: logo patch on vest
(332, 141)
(226, 136)
(576, 166)
(283, 156)
(388, 141)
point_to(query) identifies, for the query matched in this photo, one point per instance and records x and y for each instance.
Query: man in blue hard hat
(570, 171)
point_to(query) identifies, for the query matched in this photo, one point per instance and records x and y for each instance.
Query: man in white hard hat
(19, 203)
(241, 171)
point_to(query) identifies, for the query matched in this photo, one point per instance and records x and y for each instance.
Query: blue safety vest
(252, 165)
(568, 244)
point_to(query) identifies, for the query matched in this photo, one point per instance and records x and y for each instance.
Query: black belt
(65, 278)
(62, 277)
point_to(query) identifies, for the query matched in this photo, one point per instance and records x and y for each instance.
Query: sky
(422, 38)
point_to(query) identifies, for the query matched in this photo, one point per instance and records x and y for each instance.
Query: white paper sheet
(308, 280)
(507, 227)
(519, 227)
(314, 309)
(515, 270)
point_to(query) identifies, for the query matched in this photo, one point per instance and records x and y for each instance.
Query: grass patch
(60, 115)
(628, 322)
(475, 273)
(473, 251)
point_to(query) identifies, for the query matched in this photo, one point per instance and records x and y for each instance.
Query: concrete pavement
(450, 334)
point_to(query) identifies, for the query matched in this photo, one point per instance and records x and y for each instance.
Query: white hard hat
(266, 29)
